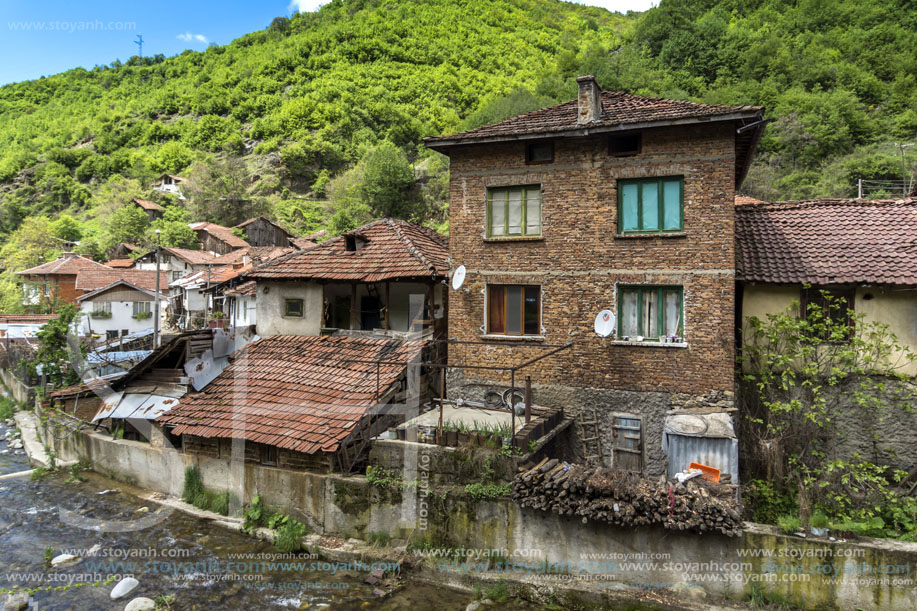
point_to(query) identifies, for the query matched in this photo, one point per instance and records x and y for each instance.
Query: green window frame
(651, 205)
(514, 212)
(293, 307)
(643, 311)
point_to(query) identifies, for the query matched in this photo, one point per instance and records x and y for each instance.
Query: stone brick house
(56, 280)
(608, 202)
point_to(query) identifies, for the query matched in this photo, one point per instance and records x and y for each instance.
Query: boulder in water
(124, 587)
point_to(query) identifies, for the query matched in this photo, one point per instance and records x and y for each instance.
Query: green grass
(193, 492)
(380, 538)
(8, 407)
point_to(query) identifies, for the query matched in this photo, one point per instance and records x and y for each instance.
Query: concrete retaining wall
(812, 574)
(20, 391)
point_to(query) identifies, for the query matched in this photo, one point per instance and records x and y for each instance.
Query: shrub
(193, 485)
(288, 534)
(789, 524)
(498, 592)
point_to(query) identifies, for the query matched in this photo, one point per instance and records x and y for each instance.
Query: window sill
(513, 338)
(524, 238)
(621, 342)
(665, 234)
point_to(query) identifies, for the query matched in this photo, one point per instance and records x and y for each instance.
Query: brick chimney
(589, 101)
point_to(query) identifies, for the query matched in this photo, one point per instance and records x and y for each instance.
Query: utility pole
(158, 298)
(905, 183)
(139, 43)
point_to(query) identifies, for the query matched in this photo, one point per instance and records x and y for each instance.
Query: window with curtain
(650, 205)
(650, 311)
(513, 309)
(514, 212)
(142, 307)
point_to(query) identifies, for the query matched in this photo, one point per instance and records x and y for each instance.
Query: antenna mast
(139, 43)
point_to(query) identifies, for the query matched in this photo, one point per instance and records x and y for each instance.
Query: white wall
(122, 317)
(270, 308)
(244, 310)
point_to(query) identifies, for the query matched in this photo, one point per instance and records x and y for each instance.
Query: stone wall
(605, 403)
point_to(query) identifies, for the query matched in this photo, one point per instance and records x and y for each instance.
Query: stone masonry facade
(580, 260)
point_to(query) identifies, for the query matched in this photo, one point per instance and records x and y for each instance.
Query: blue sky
(43, 37)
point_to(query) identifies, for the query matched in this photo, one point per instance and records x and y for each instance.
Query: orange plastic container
(709, 473)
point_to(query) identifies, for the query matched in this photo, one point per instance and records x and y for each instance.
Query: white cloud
(189, 37)
(621, 6)
(304, 6)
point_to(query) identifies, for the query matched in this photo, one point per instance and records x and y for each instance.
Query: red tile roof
(93, 385)
(303, 243)
(618, 108)
(246, 289)
(744, 200)
(147, 205)
(93, 279)
(66, 265)
(828, 241)
(121, 263)
(224, 234)
(392, 249)
(298, 393)
(26, 318)
(258, 254)
(194, 257)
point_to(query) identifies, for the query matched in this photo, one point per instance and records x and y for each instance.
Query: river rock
(124, 587)
(65, 560)
(17, 601)
(473, 606)
(16, 444)
(140, 603)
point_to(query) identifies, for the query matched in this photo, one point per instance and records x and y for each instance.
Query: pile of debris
(624, 498)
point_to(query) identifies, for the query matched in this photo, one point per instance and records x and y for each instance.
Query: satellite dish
(605, 323)
(458, 277)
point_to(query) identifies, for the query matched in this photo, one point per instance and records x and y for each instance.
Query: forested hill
(317, 119)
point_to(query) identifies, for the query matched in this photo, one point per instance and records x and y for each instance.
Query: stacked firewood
(624, 498)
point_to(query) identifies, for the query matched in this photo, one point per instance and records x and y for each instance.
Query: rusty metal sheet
(108, 406)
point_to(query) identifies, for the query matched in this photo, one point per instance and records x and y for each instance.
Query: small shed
(708, 439)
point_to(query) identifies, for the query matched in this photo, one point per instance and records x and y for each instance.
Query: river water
(181, 555)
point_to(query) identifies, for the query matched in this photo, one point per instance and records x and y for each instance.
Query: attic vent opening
(626, 145)
(353, 243)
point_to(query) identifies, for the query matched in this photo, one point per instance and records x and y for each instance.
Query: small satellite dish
(605, 323)
(458, 277)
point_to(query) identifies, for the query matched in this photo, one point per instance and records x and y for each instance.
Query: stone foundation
(650, 407)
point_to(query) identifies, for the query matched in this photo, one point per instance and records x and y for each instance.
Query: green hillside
(317, 120)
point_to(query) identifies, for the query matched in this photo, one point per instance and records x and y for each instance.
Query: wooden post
(387, 305)
(354, 312)
(442, 399)
(528, 398)
(512, 408)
